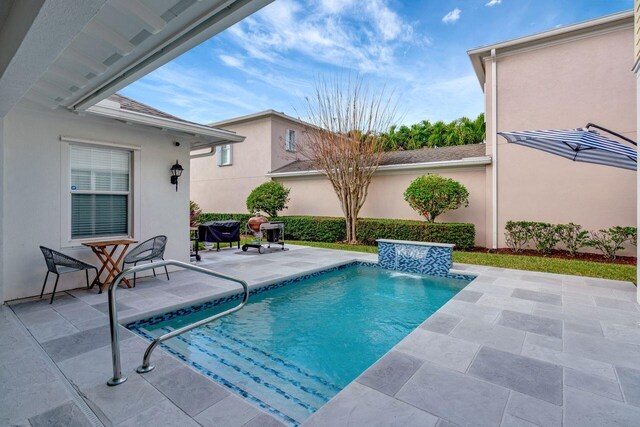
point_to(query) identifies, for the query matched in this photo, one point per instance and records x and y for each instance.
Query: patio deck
(513, 348)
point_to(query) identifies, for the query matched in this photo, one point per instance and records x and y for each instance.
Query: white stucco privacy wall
(33, 192)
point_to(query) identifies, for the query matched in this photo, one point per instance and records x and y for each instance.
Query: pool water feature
(298, 343)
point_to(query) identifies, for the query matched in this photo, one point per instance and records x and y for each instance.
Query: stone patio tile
(495, 336)
(630, 383)
(193, 289)
(588, 290)
(596, 348)
(445, 423)
(189, 390)
(80, 314)
(582, 409)
(511, 421)
(120, 403)
(441, 322)
(506, 302)
(264, 420)
(531, 323)
(543, 341)
(81, 342)
(539, 278)
(93, 368)
(622, 333)
(358, 405)
(38, 317)
(489, 288)
(577, 298)
(536, 296)
(470, 311)
(231, 411)
(533, 377)
(608, 283)
(628, 295)
(455, 397)
(573, 361)
(68, 415)
(534, 410)
(592, 384)
(36, 303)
(468, 296)
(441, 349)
(616, 304)
(588, 327)
(24, 371)
(391, 372)
(103, 307)
(51, 330)
(20, 404)
(163, 414)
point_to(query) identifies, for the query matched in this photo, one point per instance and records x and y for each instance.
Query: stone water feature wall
(415, 257)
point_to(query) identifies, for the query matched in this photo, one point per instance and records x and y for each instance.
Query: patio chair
(59, 263)
(147, 251)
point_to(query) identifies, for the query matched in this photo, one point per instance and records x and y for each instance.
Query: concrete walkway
(513, 348)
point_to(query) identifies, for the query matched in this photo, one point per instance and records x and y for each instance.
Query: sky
(415, 48)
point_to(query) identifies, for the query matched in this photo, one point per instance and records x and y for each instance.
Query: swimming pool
(299, 342)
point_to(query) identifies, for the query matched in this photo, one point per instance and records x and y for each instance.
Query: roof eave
(213, 136)
(466, 162)
(476, 55)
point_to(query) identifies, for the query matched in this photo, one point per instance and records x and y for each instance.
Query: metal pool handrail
(113, 315)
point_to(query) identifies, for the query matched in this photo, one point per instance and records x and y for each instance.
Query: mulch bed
(627, 260)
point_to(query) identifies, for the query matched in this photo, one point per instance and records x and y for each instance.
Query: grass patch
(518, 262)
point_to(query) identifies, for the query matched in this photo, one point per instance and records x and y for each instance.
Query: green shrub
(544, 236)
(270, 198)
(517, 234)
(610, 241)
(194, 213)
(332, 229)
(572, 236)
(433, 195)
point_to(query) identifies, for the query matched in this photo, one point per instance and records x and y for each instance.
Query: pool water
(293, 348)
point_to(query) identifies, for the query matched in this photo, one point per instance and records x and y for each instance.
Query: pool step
(275, 384)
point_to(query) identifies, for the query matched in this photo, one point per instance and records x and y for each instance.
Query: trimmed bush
(610, 241)
(270, 198)
(516, 234)
(432, 195)
(544, 236)
(572, 236)
(332, 229)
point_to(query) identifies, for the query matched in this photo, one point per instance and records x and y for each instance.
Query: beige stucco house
(559, 79)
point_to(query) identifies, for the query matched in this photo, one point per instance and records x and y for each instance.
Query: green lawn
(519, 262)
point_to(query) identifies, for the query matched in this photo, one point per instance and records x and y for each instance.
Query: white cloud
(452, 17)
(358, 35)
(494, 3)
(231, 61)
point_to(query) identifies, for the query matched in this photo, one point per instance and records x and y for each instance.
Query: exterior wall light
(176, 172)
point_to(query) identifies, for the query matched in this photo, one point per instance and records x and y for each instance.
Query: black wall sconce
(176, 172)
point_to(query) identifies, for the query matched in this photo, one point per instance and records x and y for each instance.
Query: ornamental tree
(433, 195)
(270, 198)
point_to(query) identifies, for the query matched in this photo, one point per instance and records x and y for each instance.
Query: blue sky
(417, 48)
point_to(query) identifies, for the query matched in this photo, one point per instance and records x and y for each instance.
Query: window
(100, 192)
(290, 140)
(224, 155)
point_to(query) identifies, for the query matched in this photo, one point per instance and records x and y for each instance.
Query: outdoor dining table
(106, 255)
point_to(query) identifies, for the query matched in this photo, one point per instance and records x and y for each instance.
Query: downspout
(494, 148)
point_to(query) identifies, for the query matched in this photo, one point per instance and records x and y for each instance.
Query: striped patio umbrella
(580, 145)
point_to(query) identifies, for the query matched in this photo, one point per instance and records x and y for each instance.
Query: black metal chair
(147, 251)
(59, 263)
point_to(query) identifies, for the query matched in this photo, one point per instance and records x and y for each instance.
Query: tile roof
(405, 157)
(129, 104)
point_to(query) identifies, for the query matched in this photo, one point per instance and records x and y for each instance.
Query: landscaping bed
(580, 256)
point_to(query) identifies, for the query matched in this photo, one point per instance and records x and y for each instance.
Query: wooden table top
(103, 243)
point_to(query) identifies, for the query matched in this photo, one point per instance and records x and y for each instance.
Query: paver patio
(513, 348)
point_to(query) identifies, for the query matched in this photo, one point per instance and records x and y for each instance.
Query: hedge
(332, 229)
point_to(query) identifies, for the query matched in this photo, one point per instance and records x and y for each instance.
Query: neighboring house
(78, 162)
(222, 183)
(559, 79)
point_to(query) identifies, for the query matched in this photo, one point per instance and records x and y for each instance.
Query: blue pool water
(294, 347)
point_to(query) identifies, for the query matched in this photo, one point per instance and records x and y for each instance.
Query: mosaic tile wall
(419, 259)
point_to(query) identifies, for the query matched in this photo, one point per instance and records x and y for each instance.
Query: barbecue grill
(220, 232)
(271, 232)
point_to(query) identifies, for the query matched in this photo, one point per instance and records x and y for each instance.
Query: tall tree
(347, 117)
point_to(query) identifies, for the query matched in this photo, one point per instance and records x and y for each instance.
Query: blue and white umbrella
(580, 145)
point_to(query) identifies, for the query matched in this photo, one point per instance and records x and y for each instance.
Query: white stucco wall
(33, 192)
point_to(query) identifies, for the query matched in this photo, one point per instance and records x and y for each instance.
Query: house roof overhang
(75, 54)
(461, 163)
(258, 116)
(588, 28)
(203, 139)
